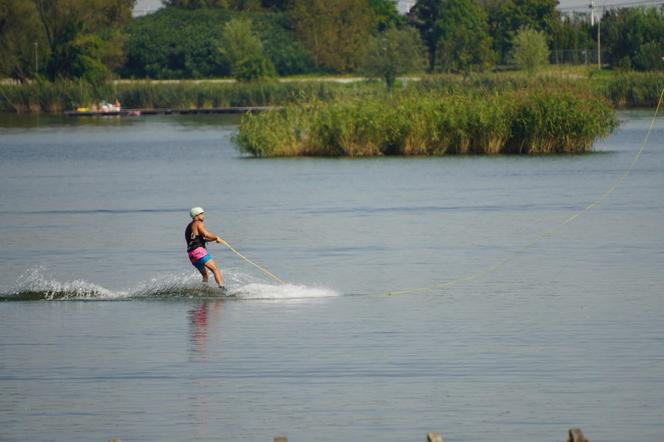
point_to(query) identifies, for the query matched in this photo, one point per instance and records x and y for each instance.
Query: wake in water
(35, 286)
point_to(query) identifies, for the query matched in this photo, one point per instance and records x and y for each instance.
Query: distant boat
(90, 113)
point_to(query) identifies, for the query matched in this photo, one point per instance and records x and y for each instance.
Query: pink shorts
(197, 254)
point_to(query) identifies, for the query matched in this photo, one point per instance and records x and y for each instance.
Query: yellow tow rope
(546, 233)
(262, 269)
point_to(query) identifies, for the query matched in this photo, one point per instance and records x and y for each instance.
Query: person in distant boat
(197, 236)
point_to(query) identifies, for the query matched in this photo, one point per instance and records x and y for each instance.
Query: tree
(634, 37)
(23, 47)
(392, 53)
(425, 16)
(254, 67)
(455, 34)
(335, 32)
(79, 34)
(281, 45)
(244, 50)
(506, 17)
(529, 50)
(571, 41)
(386, 14)
(69, 37)
(154, 50)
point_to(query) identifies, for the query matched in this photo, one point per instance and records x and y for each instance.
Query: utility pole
(599, 37)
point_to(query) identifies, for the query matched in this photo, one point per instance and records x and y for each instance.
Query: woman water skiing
(196, 236)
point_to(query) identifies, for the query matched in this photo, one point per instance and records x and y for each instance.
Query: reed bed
(500, 82)
(45, 96)
(635, 89)
(538, 121)
(624, 90)
(58, 96)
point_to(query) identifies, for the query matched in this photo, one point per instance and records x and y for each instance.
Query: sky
(143, 6)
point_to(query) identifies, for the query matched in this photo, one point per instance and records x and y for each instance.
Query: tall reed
(61, 95)
(415, 123)
(624, 90)
(45, 96)
(547, 121)
(635, 89)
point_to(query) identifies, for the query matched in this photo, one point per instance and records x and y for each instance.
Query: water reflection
(200, 318)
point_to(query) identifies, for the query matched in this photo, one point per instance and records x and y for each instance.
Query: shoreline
(168, 111)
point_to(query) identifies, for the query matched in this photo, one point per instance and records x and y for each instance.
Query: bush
(529, 50)
(253, 68)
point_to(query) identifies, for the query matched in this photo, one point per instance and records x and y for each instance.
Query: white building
(144, 7)
(404, 5)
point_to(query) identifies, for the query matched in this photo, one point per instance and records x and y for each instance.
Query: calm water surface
(569, 332)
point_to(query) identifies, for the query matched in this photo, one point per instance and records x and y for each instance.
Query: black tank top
(193, 241)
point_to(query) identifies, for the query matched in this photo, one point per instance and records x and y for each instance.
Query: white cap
(195, 211)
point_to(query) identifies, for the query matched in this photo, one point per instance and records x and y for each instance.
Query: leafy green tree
(244, 50)
(23, 47)
(529, 50)
(254, 67)
(335, 32)
(155, 47)
(77, 55)
(634, 37)
(281, 45)
(393, 53)
(506, 17)
(455, 34)
(239, 40)
(465, 51)
(570, 40)
(386, 14)
(78, 34)
(425, 16)
(649, 57)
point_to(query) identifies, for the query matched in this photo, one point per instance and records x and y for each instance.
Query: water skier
(196, 236)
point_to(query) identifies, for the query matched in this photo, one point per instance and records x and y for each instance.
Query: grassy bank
(624, 90)
(634, 89)
(43, 96)
(414, 123)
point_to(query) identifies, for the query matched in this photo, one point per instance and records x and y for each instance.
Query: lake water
(565, 331)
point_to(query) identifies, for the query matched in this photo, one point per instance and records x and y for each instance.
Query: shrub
(530, 50)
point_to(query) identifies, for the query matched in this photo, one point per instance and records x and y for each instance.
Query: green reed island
(529, 121)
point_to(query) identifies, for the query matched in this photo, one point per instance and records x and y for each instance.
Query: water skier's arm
(207, 235)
